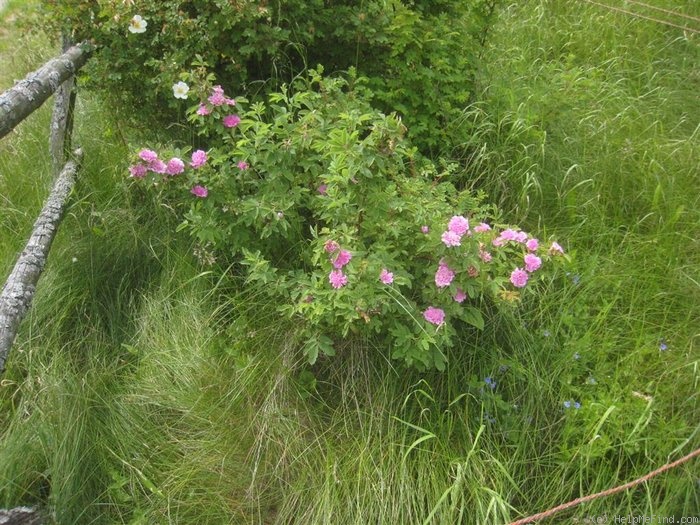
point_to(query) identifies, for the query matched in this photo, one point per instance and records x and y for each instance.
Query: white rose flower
(137, 24)
(180, 90)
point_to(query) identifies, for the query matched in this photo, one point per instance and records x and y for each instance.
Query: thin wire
(668, 11)
(614, 490)
(611, 8)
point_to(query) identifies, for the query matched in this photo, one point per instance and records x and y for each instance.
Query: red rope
(614, 490)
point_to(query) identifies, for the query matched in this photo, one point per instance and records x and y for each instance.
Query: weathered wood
(28, 94)
(20, 286)
(20, 516)
(62, 119)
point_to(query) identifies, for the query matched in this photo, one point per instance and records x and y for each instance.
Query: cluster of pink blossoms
(520, 276)
(175, 166)
(216, 99)
(139, 170)
(456, 229)
(337, 278)
(443, 278)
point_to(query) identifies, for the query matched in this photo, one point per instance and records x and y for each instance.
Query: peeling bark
(20, 286)
(27, 95)
(20, 516)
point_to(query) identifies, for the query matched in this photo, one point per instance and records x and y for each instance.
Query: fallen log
(19, 289)
(28, 94)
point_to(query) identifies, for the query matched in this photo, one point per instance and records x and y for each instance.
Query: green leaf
(473, 316)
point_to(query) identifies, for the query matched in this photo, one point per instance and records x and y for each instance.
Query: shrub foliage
(419, 56)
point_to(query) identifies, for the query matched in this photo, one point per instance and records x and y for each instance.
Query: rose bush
(344, 225)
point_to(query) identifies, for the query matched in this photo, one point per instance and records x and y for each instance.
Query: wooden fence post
(19, 289)
(62, 119)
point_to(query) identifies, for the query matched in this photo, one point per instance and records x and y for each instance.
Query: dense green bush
(419, 56)
(339, 220)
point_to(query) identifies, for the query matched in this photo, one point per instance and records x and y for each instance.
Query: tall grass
(142, 389)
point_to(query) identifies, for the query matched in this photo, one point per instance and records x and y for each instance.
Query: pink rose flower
(532, 262)
(508, 235)
(158, 166)
(460, 296)
(532, 244)
(323, 189)
(450, 238)
(203, 110)
(199, 158)
(435, 316)
(519, 278)
(444, 276)
(148, 155)
(342, 259)
(138, 171)
(424, 229)
(199, 191)
(217, 97)
(386, 276)
(231, 121)
(242, 165)
(458, 225)
(175, 166)
(337, 279)
(482, 227)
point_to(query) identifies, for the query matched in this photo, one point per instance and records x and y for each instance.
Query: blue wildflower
(663, 346)
(567, 404)
(490, 382)
(577, 405)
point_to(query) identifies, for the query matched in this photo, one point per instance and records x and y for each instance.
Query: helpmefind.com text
(654, 519)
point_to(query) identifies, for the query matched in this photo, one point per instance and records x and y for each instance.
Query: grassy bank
(143, 390)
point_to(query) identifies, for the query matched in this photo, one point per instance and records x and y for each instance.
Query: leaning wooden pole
(28, 94)
(20, 286)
